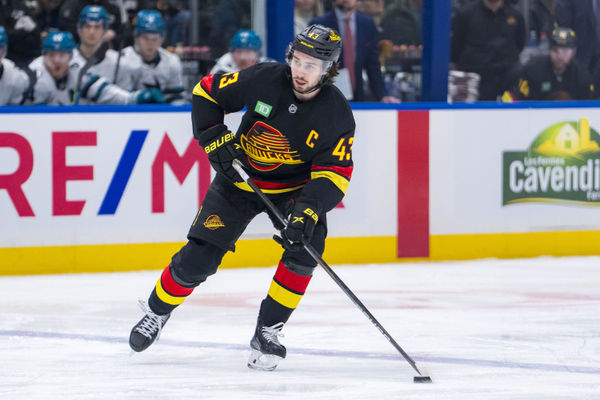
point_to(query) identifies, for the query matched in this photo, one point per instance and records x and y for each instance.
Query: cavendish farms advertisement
(562, 165)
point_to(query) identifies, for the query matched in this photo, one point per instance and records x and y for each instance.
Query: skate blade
(263, 362)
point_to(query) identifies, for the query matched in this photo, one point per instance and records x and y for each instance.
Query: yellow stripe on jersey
(338, 180)
(166, 297)
(244, 186)
(284, 296)
(199, 91)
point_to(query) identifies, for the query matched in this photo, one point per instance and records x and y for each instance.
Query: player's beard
(304, 91)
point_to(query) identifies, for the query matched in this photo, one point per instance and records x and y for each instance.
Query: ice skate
(266, 349)
(145, 332)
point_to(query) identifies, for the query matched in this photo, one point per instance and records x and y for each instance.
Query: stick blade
(424, 376)
(422, 379)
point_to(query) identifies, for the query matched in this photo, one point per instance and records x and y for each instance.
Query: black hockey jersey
(290, 144)
(538, 81)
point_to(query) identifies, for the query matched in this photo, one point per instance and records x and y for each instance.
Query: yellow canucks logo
(333, 36)
(524, 87)
(267, 148)
(213, 222)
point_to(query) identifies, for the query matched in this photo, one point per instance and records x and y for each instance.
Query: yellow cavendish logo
(213, 222)
(333, 36)
(267, 148)
(570, 141)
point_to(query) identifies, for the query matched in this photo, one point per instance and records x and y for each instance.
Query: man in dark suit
(487, 38)
(358, 34)
(583, 17)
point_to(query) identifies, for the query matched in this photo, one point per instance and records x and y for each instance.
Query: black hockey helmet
(318, 41)
(563, 37)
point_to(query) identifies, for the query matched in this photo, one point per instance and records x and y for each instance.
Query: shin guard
(168, 294)
(287, 288)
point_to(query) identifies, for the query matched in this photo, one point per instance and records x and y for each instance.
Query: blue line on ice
(317, 352)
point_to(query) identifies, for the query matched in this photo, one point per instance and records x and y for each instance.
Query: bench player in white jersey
(13, 81)
(58, 80)
(92, 25)
(153, 66)
(245, 52)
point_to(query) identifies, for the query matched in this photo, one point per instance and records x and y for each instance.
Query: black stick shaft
(317, 257)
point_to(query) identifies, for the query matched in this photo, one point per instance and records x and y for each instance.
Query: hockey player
(153, 66)
(296, 139)
(245, 52)
(13, 81)
(59, 81)
(93, 23)
(555, 76)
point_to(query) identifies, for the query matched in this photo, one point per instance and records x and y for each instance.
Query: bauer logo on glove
(221, 146)
(300, 229)
(220, 141)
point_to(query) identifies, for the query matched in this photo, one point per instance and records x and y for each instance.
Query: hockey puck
(422, 379)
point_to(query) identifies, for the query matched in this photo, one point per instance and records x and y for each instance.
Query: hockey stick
(124, 25)
(93, 60)
(423, 377)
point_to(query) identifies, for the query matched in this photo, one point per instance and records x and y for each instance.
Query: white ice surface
(517, 329)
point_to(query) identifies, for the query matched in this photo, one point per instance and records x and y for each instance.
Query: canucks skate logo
(267, 148)
(562, 165)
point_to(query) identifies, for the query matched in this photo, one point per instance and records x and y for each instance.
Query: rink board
(514, 182)
(116, 188)
(108, 190)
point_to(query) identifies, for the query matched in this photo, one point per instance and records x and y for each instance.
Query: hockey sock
(287, 288)
(168, 294)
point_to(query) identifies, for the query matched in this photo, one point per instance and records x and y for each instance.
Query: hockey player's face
(244, 58)
(57, 63)
(148, 45)
(306, 71)
(561, 58)
(91, 33)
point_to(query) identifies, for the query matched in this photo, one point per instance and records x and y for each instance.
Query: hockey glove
(301, 226)
(149, 96)
(222, 148)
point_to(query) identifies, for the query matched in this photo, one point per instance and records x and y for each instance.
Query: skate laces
(270, 333)
(152, 323)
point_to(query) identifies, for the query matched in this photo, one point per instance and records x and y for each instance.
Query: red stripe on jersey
(206, 82)
(172, 287)
(290, 280)
(346, 172)
(273, 185)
